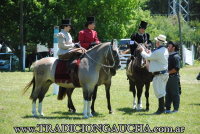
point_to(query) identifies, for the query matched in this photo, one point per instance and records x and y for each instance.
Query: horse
(105, 76)
(139, 76)
(104, 55)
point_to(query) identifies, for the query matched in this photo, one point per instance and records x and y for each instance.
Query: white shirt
(65, 43)
(158, 59)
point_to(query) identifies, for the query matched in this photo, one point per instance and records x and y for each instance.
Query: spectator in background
(88, 37)
(173, 87)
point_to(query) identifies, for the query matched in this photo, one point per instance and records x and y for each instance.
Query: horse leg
(40, 106)
(41, 95)
(147, 85)
(132, 88)
(93, 99)
(139, 95)
(34, 96)
(107, 87)
(87, 94)
(34, 112)
(70, 102)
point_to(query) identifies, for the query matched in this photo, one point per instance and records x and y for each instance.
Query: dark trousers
(172, 93)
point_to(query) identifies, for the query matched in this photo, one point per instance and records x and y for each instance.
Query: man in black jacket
(173, 84)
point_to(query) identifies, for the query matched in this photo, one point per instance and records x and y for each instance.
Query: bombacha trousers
(173, 92)
(159, 84)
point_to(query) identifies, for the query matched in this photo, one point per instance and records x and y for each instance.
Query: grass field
(15, 109)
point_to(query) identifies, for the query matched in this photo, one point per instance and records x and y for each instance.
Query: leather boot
(161, 105)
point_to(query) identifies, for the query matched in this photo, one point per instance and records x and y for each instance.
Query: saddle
(67, 68)
(74, 53)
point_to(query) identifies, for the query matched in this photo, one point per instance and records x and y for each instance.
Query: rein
(108, 66)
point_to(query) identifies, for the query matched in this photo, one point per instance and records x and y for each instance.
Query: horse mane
(98, 46)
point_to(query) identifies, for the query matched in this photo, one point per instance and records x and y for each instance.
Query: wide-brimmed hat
(143, 24)
(161, 38)
(66, 22)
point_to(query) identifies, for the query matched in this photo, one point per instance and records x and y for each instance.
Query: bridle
(104, 65)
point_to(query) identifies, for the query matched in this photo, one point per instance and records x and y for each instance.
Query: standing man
(140, 37)
(88, 37)
(158, 66)
(172, 88)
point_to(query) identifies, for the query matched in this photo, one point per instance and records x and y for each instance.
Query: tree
(114, 18)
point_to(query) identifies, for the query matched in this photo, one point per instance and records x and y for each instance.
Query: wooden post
(180, 31)
(22, 55)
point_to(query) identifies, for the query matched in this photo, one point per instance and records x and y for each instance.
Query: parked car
(123, 44)
(8, 61)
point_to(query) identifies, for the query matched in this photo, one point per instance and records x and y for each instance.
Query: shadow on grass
(66, 115)
(195, 104)
(130, 111)
(79, 114)
(147, 114)
(53, 117)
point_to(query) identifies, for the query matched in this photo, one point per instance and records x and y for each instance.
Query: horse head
(139, 60)
(114, 58)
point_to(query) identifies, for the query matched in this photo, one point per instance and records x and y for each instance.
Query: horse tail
(62, 93)
(29, 85)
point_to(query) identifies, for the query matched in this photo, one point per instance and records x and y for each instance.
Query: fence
(123, 60)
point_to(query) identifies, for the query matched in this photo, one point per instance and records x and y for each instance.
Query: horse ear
(114, 44)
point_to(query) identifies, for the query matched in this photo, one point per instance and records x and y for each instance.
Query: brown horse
(105, 76)
(104, 55)
(139, 76)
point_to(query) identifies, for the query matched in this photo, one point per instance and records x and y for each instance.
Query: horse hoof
(41, 114)
(134, 106)
(90, 115)
(139, 107)
(110, 112)
(72, 110)
(34, 114)
(147, 109)
(85, 117)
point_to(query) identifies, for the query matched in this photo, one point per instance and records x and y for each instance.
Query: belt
(160, 72)
(174, 74)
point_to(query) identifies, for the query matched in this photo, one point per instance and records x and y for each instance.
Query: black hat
(143, 24)
(91, 19)
(66, 22)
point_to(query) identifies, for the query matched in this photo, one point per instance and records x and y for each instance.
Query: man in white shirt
(158, 66)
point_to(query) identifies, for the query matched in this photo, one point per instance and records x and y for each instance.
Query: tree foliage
(169, 26)
(114, 18)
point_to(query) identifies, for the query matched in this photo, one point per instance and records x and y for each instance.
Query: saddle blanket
(67, 71)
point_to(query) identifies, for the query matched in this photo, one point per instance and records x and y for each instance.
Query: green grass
(15, 109)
